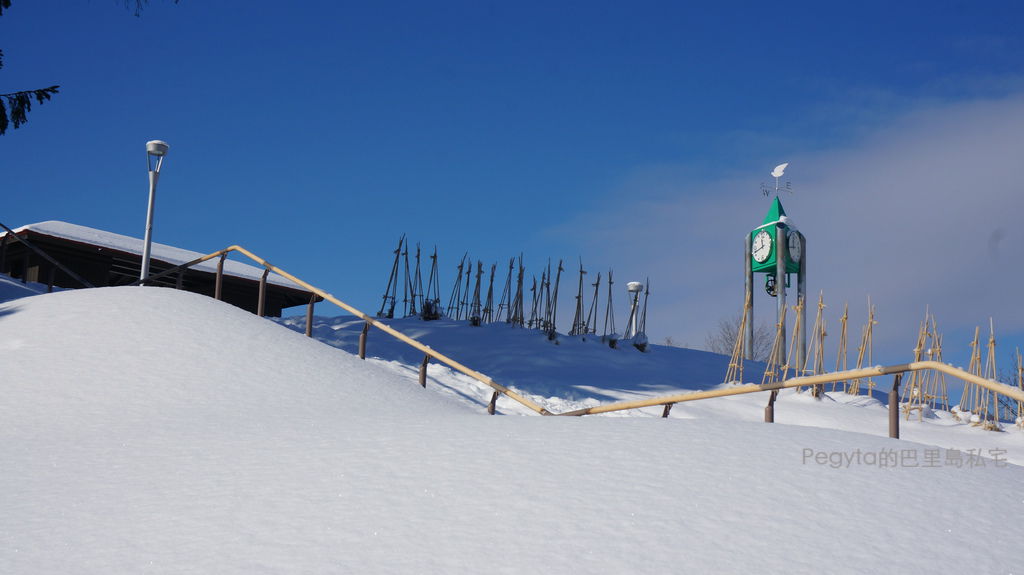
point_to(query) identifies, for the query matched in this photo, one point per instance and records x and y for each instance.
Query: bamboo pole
(841, 355)
(817, 346)
(992, 419)
(771, 373)
(735, 372)
(798, 311)
(1020, 386)
(969, 399)
(914, 394)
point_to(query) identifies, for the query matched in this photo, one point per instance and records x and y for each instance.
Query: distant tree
(15, 106)
(723, 338)
(670, 341)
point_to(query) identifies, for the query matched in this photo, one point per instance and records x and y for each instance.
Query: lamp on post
(155, 152)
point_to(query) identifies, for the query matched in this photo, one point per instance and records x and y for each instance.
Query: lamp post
(634, 289)
(155, 152)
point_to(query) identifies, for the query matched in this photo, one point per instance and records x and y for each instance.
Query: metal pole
(780, 288)
(801, 290)
(147, 248)
(748, 296)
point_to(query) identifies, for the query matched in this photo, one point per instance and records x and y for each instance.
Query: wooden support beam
(493, 403)
(179, 283)
(668, 408)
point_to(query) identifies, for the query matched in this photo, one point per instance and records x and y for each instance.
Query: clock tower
(776, 249)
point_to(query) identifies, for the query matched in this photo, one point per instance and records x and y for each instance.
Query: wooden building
(107, 259)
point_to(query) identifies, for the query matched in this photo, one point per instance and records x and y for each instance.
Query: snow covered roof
(162, 252)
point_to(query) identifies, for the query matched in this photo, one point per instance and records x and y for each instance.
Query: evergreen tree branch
(19, 104)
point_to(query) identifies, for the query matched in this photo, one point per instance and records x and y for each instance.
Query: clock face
(795, 249)
(761, 247)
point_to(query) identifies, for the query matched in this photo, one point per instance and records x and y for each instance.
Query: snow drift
(150, 430)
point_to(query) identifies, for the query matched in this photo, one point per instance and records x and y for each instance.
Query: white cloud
(925, 211)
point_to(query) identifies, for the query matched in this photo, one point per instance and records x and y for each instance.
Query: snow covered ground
(151, 430)
(576, 372)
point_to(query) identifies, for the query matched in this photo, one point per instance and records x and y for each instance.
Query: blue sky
(633, 136)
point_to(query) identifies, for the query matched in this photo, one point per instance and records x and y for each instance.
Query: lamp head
(155, 151)
(634, 287)
(156, 148)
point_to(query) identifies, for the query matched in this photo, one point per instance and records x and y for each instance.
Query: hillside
(151, 430)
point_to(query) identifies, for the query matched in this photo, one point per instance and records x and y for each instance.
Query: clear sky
(632, 135)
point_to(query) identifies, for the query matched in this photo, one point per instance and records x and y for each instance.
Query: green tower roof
(775, 212)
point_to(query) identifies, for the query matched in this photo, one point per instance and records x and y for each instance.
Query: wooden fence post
(218, 290)
(309, 315)
(362, 340)
(423, 371)
(668, 408)
(493, 403)
(769, 410)
(263, 292)
(894, 407)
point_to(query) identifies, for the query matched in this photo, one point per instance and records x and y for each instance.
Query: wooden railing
(666, 401)
(428, 352)
(995, 386)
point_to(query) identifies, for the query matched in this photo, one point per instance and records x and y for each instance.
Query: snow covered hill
(151, 430)
(574, 372)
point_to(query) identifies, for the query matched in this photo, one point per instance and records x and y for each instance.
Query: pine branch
(139, 4)
(20, 104)
(4, 4)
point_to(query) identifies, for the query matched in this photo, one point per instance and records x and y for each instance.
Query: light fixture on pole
(634, 289)
(155, 152)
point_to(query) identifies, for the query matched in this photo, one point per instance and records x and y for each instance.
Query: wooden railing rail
(370, 321)
(995, 386)
(666, 401)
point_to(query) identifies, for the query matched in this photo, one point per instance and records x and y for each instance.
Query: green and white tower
(776, 248)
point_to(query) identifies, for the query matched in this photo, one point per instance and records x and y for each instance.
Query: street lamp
(155, 152)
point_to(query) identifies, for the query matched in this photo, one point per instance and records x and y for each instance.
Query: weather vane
(777, 173)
